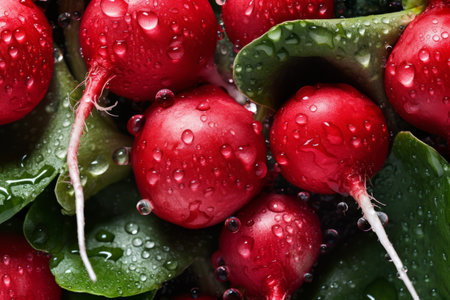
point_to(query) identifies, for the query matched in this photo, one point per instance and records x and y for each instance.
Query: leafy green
(415, 186)
(35, 148)
(304, 52)
(130, 253)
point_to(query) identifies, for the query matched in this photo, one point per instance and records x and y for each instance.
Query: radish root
(94, 86)
(364, 200)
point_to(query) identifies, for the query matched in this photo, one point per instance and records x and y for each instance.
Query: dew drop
(308, 277)
(121, 156)
(282, 159)
(303, 196)
(363, 224)
(232, 294)
(135, 124)
(221, 273)
(232, 224)
(144, 207)
(187, 136)
(226, 150)
(153, 177)
(342, 208)
(257, 127)
(245, 246)
(384, 219)
(204, 106)
(120, 48)
(261, 169)
(424, 55)
(277, 230)
(98, 166)
(220, 2)
(132, 228)
(406, 75)
(114, 8)
(165, 98)
(301, 119)
(178, 175)
(147, 20)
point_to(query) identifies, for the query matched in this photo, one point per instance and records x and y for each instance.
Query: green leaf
(304, 52)
(130, 253)
(36, 149)
(415, 186)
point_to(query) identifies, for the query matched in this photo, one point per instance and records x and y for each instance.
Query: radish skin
(330, 139)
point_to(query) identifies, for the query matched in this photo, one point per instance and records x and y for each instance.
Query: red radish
(331, 139)
(269, 247)
(246, 20)
(24, 271)
(139, 47)
(26, 58)
(417, 77)
(200, 159)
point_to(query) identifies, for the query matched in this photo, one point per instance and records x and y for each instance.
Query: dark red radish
(269, 247)
(200, 159)
(25, 272)
(330, 138)
(246, 20)
(417, 77)
(138, 47)
(26, 58)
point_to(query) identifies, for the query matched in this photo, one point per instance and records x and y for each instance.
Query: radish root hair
(359, 193)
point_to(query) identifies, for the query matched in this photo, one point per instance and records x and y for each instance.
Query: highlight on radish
(197, 158)
(26, 58)
(136, 48)
(269, 248)
(329, 138)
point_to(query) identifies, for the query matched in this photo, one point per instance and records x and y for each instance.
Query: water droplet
(342, 207)
(424, 55)
(120, 48)
(282, 159)
(332, 133)
(249, 9)
(277, 230)
(144, 207)
(363, 224)
(232, 224)
(98, 166)
(175, 50)
(384, 219)
(276, 205)
(232, 294)
(221, 273)
(6, 280)
(132, 228)
(247, 155)
(406, 74)
(204, 106)
(147, 20)
(137, 242)
(153, 177)
(171, 265)
(226, 150)
(178, 175)
(301, 119)
(303, 196)
(245, 246)
(220, 2)
(261, 169)
(165, 98)
(308, 277)
(122, 156)
(114, 8)
(6, 259)
(104, 236)
(257, 127)
(135, 124)
(187, 137)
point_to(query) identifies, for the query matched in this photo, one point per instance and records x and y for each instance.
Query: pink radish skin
(417, 77)
(138, 47)
(26, 58)
(200, 159)
(330, 139)
(276, 244)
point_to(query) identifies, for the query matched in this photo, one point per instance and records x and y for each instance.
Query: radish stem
(94, 86)
(359, 193)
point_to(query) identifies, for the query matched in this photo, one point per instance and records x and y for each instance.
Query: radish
(269, 247)
(198, 160)
(246, 20)
(26, 58)
(138, 47)
(331, 139)
(24, 271)
(417, 77)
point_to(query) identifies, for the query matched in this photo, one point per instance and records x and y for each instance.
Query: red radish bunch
(26, 58)
(246, 20)
(139, 47)
(331, 139)
(24, 272)
(269, 247)
(417, 77)
(199, 158)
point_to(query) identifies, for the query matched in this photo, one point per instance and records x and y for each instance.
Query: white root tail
(94, 86)
(371, 216)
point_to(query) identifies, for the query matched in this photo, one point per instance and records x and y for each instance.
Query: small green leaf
(130, 253)
(35, 148)
(304, 52)
(415, 186)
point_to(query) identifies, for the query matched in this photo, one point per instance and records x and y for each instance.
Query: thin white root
(371, 216)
